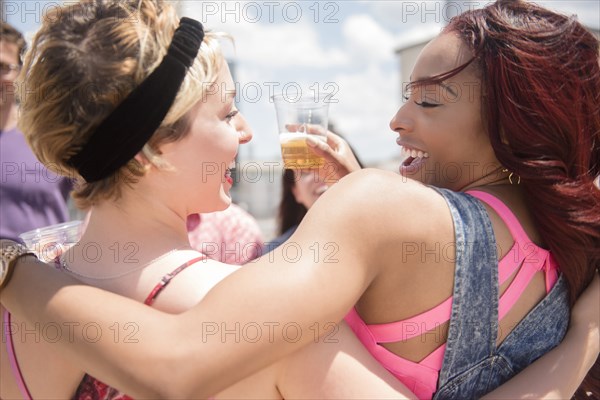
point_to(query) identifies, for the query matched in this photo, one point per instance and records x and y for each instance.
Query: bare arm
(200, 352)
(558, 374)
(336, 366)
(188, 356)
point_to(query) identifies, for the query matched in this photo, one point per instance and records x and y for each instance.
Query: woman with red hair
(462, 270)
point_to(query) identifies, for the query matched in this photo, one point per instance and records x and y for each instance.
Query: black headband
(127, 129)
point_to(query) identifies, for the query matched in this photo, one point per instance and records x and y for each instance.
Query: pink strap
(552, 271)
(516, 289)
(524, 277)
(435, 359)
(513, 224)
(413, 326)
(14, 364)
(510, 263)
(532, 257)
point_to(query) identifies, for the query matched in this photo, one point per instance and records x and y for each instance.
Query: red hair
(540, 78)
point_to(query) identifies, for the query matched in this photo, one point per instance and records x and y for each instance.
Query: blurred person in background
(231, 236)
(300, 189)
(31, 196)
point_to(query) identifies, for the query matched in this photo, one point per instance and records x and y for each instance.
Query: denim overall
(473, 365)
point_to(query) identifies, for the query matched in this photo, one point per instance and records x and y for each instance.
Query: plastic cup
(51, 241)
(297, 119)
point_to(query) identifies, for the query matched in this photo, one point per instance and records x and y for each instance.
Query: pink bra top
(90, 387)
(421, 378)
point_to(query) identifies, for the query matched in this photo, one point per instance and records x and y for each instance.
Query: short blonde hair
(86, 58)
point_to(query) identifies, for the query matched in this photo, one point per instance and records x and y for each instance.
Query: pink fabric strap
(526, 254)
(413, 326)
(522, 248)
(14, 364)
(512, 223)
(510, 263)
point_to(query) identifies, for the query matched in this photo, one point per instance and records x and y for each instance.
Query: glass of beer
(297, 119)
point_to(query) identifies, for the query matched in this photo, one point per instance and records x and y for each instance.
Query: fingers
(336, 164)
(334, 140)
(333, 149)
(323, 149)
(308, 128)
(319, 146)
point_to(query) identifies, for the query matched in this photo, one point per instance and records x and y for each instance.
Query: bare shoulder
(191, 285)
(387, 199)
(386, 185)
(380, 209)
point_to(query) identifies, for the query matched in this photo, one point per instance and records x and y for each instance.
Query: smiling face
(308, 186)
(202, 159)
(440, 127)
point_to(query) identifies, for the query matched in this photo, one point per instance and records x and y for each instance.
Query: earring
(510, 177)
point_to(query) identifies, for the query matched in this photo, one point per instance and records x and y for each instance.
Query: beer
(296, 153)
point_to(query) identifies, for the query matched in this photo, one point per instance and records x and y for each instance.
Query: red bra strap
(167, 279)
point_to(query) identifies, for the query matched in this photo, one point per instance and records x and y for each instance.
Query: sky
(342, 48)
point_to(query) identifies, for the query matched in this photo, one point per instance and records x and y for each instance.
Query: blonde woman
(143, 188)
(116, 92)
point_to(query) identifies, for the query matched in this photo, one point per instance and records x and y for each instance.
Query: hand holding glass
(299, 119)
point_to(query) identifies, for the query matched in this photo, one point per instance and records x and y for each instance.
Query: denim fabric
(473, 365)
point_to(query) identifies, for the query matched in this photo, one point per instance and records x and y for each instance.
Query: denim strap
(474, 320)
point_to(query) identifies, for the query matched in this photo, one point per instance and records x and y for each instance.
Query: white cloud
(365, 36)
(417, 35)
(368, 99)
(284, 45)
(298, 45)
(405, 15)
(260, 114)
(272, 44)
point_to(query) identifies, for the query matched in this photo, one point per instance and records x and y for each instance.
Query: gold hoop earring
(510, 177)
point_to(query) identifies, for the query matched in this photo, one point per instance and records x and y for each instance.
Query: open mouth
(228, 177)
(414, 158)
(408, 161)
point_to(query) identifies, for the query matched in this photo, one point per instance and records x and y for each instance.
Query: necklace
(473, 185)
(65, 266)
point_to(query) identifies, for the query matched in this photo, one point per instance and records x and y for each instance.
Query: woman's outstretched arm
(558, 374)
(291, 295)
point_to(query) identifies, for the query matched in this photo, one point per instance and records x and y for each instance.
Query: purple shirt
(31, 196)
